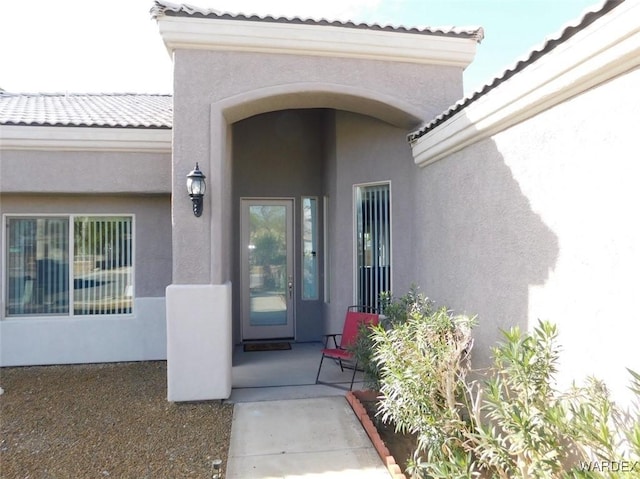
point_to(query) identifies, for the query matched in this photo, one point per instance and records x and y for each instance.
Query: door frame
(257, 333)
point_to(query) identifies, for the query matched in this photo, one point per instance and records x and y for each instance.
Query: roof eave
(603, 50)
(180, 32)
(59, 138)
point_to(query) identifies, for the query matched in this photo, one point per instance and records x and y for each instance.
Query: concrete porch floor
(291, 374)
(287, 427)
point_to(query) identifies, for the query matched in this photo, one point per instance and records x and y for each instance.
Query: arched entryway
(365, 100)
(286, 161)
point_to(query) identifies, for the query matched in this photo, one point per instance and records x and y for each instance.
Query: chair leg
(353, 377)
(319, 367)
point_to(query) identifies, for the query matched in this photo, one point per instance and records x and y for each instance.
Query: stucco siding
(64, 339)
(368, 151)
(539, 222)
(78, 172)
(214, 89)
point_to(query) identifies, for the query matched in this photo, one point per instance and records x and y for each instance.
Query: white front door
(266, 265)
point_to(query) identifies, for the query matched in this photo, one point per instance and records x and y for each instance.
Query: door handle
(290, 285)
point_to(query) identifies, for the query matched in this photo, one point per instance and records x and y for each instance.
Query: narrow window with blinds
(373, 243)
(43, 281)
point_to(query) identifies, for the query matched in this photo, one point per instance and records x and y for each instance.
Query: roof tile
(113, 110)
(163, 7)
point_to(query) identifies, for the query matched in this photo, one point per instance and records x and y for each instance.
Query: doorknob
(290, 285)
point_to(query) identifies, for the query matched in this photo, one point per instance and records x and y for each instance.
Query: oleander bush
(514, 423)
(394, 312)
(522, 426)
(418, 360)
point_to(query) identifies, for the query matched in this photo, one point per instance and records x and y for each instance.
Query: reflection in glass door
(266, 269)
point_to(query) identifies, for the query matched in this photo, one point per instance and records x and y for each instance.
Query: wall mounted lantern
(196, 186)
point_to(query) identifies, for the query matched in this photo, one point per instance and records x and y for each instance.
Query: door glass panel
(309, 248)
(268, 282)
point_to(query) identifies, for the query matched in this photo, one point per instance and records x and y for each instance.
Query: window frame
(315, 219)
(354, 237)
(70, 217)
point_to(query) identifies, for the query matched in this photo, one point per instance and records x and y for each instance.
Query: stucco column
(199, 343)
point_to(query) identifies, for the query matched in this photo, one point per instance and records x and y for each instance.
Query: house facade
(314, 198)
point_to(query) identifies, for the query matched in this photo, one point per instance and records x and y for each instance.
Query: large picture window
(71, 265)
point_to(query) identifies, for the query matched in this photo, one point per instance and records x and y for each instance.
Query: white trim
(317, 40)
(67, 138)
(601, 51)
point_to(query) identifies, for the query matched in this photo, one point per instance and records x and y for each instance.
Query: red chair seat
(356, 317)
(338, 354)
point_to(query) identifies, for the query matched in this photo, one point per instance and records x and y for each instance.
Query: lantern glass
(196, 185)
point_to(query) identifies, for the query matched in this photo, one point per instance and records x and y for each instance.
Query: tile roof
(162, 7)
(587, 19)
(116, 110)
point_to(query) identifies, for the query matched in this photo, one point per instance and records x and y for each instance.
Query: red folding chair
(355, 317)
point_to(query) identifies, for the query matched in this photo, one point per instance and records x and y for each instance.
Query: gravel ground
(106, 420)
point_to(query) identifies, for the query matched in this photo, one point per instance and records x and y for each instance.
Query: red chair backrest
(352, 323)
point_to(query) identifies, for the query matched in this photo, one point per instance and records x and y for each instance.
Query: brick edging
(361, 413)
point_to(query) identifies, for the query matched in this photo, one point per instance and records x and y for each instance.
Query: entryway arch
(285, 131)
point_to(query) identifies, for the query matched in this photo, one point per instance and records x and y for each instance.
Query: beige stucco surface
(367, 151)
(214, 89)
(538, 222)
(139, 336)
(78, 172)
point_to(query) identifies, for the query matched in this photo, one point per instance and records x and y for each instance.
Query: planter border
(361, 413)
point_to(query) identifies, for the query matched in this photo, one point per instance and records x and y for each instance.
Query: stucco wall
(539, 222)
(214, 89)
(140, 336)
(29, 171)
(368, 151)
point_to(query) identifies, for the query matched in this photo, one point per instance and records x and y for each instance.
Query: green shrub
(525, 428)
(394, 312)
(513, 424)
(421, 356)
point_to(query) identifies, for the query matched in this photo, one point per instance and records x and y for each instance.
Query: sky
(113, 46)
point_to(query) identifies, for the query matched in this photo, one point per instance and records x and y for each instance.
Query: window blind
(41, 280)
(373, 243)
(102, 265)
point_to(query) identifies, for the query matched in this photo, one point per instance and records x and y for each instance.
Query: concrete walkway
(300, 438)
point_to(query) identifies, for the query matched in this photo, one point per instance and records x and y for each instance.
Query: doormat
(280, 346)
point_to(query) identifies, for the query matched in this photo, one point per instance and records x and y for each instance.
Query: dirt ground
(401, 446)
(107, 420)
